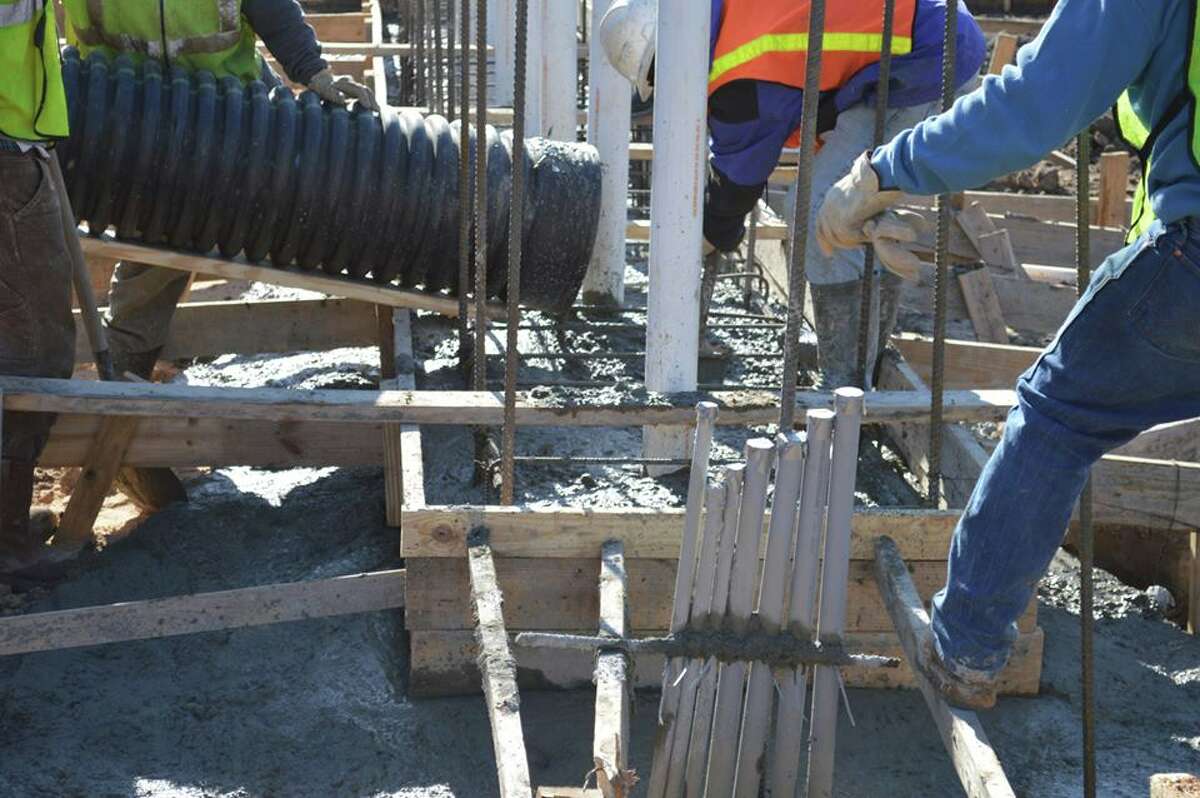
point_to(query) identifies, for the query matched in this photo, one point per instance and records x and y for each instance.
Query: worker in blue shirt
(755, 96)
(1128, 356)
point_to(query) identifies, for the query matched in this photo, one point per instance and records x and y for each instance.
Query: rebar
(798, 239)
(1086, 531)
(439, 65)
(751, 245)
(867, 290)
(941, 262)
(465, 264)
(509, 442)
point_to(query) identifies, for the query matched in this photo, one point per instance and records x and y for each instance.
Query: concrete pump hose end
(181, 159)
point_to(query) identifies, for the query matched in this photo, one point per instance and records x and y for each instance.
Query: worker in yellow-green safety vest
(37, 334)
(214, 35)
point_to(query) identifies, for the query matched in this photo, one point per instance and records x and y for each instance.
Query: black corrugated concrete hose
(184, 160)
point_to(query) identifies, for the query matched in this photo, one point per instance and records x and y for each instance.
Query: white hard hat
(627, 33)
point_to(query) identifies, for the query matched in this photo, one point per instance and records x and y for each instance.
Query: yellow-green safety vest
(1140, 135)
(33, 104)
(197, 34)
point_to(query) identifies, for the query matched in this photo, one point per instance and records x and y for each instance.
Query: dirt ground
(320, 708)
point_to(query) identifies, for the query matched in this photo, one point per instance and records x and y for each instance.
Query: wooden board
(443, 664)
(404, 469)
(971, 753)
(968, 363)
(1004, 50)
(549, 594)
(239, 269)
(354, 26)
(647, 533)
(983, 306)
(101, 464)
(33, 394)
(610, 736)
(1114, 185)
(202, 612)
(209, 329)
(181, 442)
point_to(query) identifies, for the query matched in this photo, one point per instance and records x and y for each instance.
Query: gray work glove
(338, 90)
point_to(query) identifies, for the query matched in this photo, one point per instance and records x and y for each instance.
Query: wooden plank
(1021, 26)
(1039, 207)
(1114, 184)
(994, 245)
(1158, 493)
(208, 329)
(35, 394)
(978, 769)
(442, 663)
(180, 441)
(1179, 440)
(983, 306)
(647, 533)
(100, 468)
(1174, 785)
(610, 736)
(239, 269)
(404, 470)
(566, 792)
(1053, 243)
(202, 612)
(1004, 50)
(550, 594)
(498, 671)
(1194, 586)
(968, 363)
(354, 26)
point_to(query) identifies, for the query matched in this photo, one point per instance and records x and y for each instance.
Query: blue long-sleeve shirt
(747, 151)
(1087, 53)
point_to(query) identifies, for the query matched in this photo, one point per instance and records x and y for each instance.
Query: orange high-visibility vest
(768, 40)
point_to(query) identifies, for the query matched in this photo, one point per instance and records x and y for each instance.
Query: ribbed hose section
(181, 159)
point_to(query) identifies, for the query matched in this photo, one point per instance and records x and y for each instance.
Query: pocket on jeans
(1168, 315)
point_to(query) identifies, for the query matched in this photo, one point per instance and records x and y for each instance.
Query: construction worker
(1128, 356)
(755, 95)
(37, 334)
(214, 35)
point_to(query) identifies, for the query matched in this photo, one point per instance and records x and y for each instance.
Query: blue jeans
(1127, 358)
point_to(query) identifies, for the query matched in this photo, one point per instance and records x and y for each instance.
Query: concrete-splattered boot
(964, 689)
(836, 309)
(25, 560)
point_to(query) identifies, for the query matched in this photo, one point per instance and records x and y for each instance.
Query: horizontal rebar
(778, 650)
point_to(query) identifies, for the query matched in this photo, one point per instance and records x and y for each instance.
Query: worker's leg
(37, 333)
(1127, 358)
(141, 302)
(835, 280)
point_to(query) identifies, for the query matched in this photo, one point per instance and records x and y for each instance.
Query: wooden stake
(1003, 52)
(983, 306)
(610, 740)
(499, 671)
(1114, 182)
(95, 480)
(978, 769)
(1194, 587)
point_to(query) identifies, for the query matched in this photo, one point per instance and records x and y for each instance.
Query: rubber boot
(835, 306)
(140, 364)
(25, 560)
(710, 348)
(888, 300)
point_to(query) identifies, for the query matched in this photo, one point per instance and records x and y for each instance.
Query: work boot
(140, 364)
(961, 687)
(25, 559)
(835, 306)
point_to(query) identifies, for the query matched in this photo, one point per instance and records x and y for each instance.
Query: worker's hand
(888, 233)
(848, 204)
(338, 90)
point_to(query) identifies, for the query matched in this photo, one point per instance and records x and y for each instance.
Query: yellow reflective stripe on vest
(798, 43)
(21, 12)
(1132, 128)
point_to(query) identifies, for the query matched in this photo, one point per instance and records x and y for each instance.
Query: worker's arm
(1087, 53)
(281, 26)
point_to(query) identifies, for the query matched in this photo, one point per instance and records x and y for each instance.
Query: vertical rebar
(481, 203)
(799, 233)
(418, 38)
(439, 64)
(867, 297)
(452, 45)
(751, 245)
(1083, 275)
(941, 262)
(466, 150)
(511, 360)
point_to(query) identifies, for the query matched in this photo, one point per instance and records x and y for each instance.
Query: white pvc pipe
(534, 55)
(501, 32)
(560, 67)
(676, 210)
(835, 575)
(609, 100)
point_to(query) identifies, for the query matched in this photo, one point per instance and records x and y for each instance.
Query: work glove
(888, 233)
(850, 203)
(338, 90)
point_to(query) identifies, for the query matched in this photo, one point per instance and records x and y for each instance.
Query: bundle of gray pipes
(183, 160)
